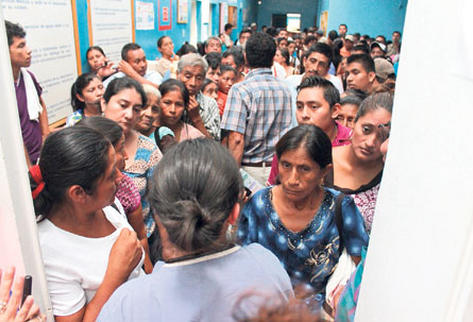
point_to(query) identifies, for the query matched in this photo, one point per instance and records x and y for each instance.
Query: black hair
(228, 68)
(309, 39)
(285, 53)
(331, 94)
(206, 83)
(356, 92)
(357, 35)
(323, 49)
(171, 85)
(397, 32)
(160, 40)
(351, 99)
(260, 49)
(14, 30)
(186, 48)
(364, 60)
(375, 101)
(108, 128)
(228, 26)
(237, 54)
(312, 138)
(281, 39)
(245, 30)
(193, 192)
(362, 48)
(382, 36)
(128, 47)
(76, 89)
(119, 84)
(342, 24)
(214, 60)
(97, 48)
(71, 156)
(332, 35)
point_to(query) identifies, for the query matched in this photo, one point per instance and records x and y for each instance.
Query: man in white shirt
(134, 65)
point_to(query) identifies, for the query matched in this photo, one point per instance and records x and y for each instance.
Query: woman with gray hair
(149, 116)
(196, 195)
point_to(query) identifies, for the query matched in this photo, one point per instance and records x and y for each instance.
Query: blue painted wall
(307, 9)
(179, 32)
(372, 17)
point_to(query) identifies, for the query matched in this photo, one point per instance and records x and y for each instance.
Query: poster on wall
(182, 11)
(223, 16)
(111, 26)
(165, 14)
(324, 21)
(144, 16)
(50, 35)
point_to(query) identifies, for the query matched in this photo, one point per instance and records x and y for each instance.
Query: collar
(259, 71)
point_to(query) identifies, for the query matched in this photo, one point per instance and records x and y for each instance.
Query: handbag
(344, 268)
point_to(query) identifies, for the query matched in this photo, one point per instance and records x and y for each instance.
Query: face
(96, 60)
(124, 108)
(193, 77)
(213, 74)
(348, 44)
(298, 43)
(312, 108)
(243, 38)
(316, 64)
(20, 53)
(120, 153)
(149, 115)
(283, 44)
(396, 37)
(300, 175)
(211, 90)
(106, 186)
(226, 81)
(368, 136)
(213, 46)
(172, 107)
(292, 48)
(376, 52)
(137, 59)
(229, 61)
(358, 78)
(92, 93)
(278, 58)
(346, 115)
(283, 34)
(342, 30)
(167, 47)
(381, 40)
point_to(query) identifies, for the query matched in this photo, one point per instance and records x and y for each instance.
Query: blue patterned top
(309, 256)
(140, 171)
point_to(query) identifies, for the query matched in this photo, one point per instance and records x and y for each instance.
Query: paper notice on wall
(50, 35)
(111, 26)
(144, 16)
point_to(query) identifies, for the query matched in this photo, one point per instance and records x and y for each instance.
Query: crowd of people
(232, 181)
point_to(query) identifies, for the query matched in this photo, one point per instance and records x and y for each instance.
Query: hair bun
(194, 212)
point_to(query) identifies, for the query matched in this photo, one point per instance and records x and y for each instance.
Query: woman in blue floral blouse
(296, 218)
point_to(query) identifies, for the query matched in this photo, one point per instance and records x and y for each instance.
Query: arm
(126, 69)
(194, 116)
(135, 218)
(124, 257)
(236, 142)
(43, 119)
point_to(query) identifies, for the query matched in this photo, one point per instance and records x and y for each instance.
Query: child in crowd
(228, 75)
(210, 89)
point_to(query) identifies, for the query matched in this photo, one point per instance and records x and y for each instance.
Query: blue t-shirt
(310, 255)
(207, 288)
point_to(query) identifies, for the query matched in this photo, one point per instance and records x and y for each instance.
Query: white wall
(420, 261)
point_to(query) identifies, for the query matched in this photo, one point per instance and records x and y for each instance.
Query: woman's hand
(124, 257)
(11, 309)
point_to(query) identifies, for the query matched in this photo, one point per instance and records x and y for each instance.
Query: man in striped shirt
(258, 110)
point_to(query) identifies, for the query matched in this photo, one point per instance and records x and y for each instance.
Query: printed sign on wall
(165, 14)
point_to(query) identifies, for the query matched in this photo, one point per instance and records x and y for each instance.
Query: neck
(92, 110)
(176, 127)
(309, 202)
(148, 132)
(357, 163)
(71, 217)
(332, 133)
(16, 72)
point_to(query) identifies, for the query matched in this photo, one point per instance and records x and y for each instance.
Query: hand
(106, 70)
(193, 108)
(124, 256)
(9, 305)
(126, 69)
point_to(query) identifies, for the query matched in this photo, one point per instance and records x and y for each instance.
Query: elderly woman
(149, 117)
(358, 167)
(201, 111)
(303, 223)
(203, 273)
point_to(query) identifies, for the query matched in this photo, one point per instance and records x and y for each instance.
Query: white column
(420, 259)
